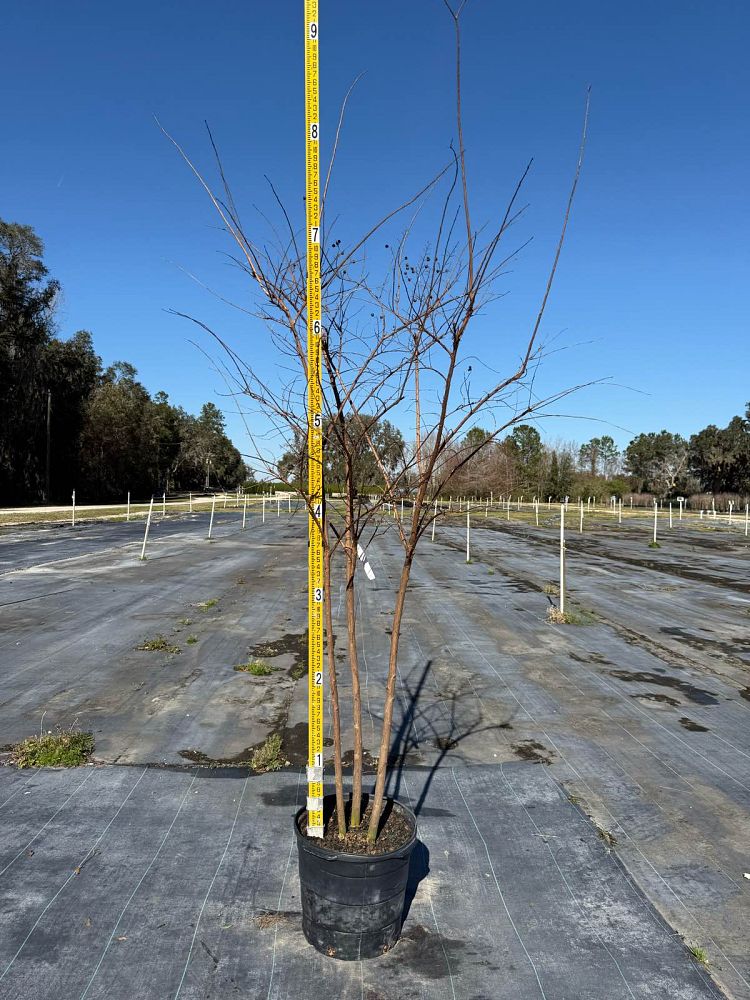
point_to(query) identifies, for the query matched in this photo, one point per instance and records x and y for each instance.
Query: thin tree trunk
(351, 627)
(333, 688)
(390, 697)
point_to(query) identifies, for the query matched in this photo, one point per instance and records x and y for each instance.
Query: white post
(468, 530)
(225, 499)
(747, 512)
(73, 523)
(656, 514)
(191, 502)
(486, 507)
(508, 508)
(264, 510)
(402, 509)
(580, 529)
(562, 559)
(164, 505)
(148, 525)
(549, 502)
(619, 517)
(244, 513)
(701, 514)
(128, 505)
(289, 502)
(434, 519)
(731, 505)
(278, 507)
(211, 522)
(670, 513)
(681, 502)
(536, 512)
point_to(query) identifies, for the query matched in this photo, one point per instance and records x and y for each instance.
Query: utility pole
(47, 469)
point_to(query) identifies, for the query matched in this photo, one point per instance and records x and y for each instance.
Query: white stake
(468, 531)
(619, 516)
(73, 524)
(264, 510)
(211, 522)
(225, 499)
(289, 502)
(278, 507)
(164, 505)
(128, 517)
(191, 502)
(747, 511)
(434, 519)
(731, 505)
(536, 512)
(402, 508)
(244, 512)
(580, 528)
(562, 559)
(670, 513)
(656, 514)
(148, 525)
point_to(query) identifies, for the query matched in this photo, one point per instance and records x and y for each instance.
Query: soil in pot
(395, 831)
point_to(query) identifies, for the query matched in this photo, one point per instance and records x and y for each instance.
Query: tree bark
(390, 697)
(333, 687)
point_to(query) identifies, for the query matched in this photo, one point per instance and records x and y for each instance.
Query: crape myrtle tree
(412, 320)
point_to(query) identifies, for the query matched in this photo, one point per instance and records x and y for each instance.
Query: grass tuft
(268, 756)
(185, 621)
(654, 545)
(551, 588)
(298, 670)
(557, 617)
(191, 640)
(700, 954)
(158, 645)
(64, 748)
(205, 605)
(255, 667)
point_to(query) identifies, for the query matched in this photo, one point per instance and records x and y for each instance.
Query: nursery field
(582, 790)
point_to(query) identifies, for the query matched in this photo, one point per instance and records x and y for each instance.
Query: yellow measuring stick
(314, 429)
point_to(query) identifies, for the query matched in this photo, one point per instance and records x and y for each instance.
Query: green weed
(64, 748)
(205, 605)
(268, 756)
(158, 645)
(191, 640)
(255, 667)
(700, 954)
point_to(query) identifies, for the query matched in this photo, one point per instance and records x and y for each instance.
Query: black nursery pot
(352, 904)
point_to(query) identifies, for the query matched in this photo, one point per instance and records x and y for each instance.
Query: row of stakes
(211, 520)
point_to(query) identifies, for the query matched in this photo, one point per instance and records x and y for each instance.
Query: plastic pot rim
(314, 846)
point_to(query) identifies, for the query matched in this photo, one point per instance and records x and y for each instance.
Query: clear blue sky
(653, 287)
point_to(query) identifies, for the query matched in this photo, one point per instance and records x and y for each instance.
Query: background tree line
(713, 462)
(107, 434)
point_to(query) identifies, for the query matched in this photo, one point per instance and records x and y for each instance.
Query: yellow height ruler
(314, 429)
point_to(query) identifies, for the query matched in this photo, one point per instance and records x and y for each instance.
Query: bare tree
(389, 342)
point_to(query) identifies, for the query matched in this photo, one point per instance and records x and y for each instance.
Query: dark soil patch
(695, 694)
(694, 727)
(443, 743)
(296, 644)
(660, 699)
(530, 750)
(395, 831)
(428, 954)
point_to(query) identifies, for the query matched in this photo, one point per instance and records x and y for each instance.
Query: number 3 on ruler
(318, 594)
